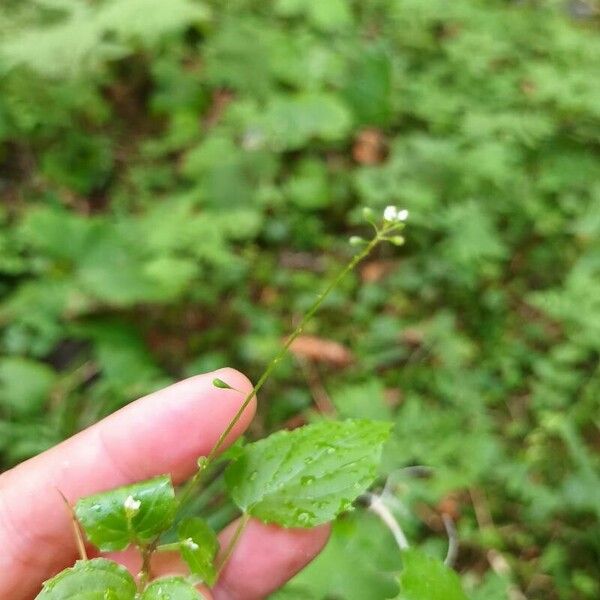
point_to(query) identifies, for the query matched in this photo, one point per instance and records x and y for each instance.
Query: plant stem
(380, 235)
(76, 528)
(144, 575)
(284, 349)
(172, 547)
(233, 542)
(383, 512)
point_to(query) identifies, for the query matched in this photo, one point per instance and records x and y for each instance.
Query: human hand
(164, 432)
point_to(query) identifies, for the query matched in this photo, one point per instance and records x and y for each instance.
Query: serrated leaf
(427, 578)
(97, 579)
(171, 588)
(111, 526)
(308, 476)
(199, 546)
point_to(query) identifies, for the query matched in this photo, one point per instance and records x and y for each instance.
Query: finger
(265, 557)
(164, 432)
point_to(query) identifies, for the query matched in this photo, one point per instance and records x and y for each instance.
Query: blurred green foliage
(178, 178)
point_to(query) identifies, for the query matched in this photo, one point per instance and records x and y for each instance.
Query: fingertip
(236, 379)
(241, 387)
(168, 430)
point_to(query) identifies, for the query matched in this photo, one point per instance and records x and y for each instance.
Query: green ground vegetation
(179, 178)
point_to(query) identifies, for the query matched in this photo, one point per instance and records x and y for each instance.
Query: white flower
(390, 213)
(131, 505)
(191, 544)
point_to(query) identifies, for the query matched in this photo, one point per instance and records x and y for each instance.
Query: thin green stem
(144, 575)
(173, 546)
(380, 236)
(233, 543)
(203, 465)
(284, 349)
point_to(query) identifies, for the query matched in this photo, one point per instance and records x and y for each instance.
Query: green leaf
(308, 187)
(86, 36)
(149, 20)
(97, 579)
(199, 547)
(369, 89)
(308, 476)
(291, 121)
(171, 588)
(25, 384)
(427, 578)
(355, 565)
(134, 513)
(329, 16)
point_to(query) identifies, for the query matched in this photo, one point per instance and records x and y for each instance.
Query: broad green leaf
(97, 579)
(356, 564)
(171, 588)
(134, 513)
(199, 547)
(308, 476)
(289, 122)
(427, 578)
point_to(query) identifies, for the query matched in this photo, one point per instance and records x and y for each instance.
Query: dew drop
(253, 475)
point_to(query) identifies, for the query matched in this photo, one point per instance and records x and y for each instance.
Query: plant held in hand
(299, 478)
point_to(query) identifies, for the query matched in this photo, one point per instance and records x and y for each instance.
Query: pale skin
(164, 432)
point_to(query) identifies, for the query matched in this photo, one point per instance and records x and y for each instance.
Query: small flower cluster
(393, 219)
(391, 214)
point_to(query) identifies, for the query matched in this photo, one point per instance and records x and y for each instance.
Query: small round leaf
(171, 588)
(133, 513)
(199, 546)
(96, 579)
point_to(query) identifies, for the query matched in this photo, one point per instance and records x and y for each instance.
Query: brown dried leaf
(450, 505)
(375, 270)
(314, 348)
(412, 336)
(369, 147)
(220, 100)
